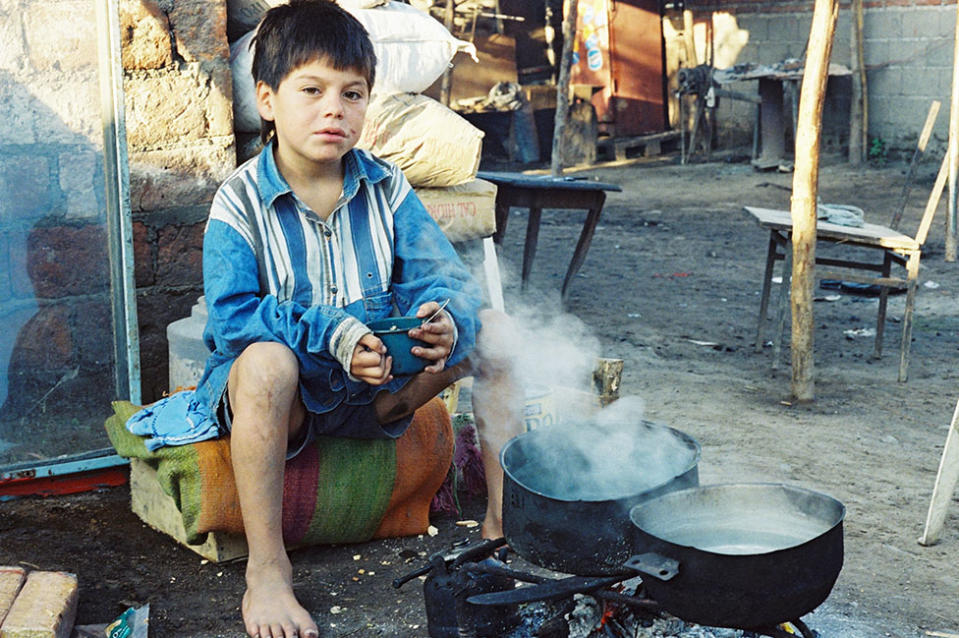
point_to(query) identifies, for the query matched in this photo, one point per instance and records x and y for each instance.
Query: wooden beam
(953, 149)
(805, 189)
(445, 86)
(858, 117)
(562, 86)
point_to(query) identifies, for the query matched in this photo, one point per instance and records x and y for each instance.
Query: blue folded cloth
(178, 419)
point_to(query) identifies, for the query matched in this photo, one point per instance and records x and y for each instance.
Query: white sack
(433, 145)
(246, 119)
(412, 51)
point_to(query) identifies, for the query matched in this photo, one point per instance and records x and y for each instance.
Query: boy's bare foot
(492, 525)
(270, 609)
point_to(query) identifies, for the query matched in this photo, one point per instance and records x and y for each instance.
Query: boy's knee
(266, 366)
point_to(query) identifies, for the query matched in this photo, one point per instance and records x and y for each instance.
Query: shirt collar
(357, 166)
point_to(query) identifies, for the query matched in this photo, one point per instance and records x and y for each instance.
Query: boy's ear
(264, 100)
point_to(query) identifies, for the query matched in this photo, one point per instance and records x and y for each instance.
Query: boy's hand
(438, 333)
(370, 362)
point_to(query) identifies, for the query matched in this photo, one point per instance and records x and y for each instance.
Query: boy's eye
(353, 95)
(311, 90)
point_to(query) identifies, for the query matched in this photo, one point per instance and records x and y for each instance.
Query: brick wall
(907, 51)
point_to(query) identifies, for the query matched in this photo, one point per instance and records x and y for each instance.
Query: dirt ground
(671, 286)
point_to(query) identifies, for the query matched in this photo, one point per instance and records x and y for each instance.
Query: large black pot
(739, 555)
(568, 490)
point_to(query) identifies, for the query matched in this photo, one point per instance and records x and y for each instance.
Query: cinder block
(886, 23)
(11, 580)
(45, 608)
(928, 23)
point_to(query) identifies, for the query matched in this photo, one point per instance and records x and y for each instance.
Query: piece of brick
(11, 579)
(45, 608)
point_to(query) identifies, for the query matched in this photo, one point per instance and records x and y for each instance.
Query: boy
(305, 244)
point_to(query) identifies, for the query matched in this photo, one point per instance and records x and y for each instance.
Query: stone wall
(54, 269)
(179, 114)
(907, 52)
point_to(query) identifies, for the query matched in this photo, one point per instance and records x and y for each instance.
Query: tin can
(539, 410)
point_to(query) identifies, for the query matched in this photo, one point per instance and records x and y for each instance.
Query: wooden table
(895, 246)
(536, 193)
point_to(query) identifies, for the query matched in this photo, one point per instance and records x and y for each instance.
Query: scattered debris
(467, 523)
(859, 332)
(711, 344)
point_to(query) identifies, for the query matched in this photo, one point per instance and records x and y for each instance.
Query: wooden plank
(920, 149)
(867, 234)
(158, 510)
(945, 485)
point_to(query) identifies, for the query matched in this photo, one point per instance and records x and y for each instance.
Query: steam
(613, 456)
(588, 454)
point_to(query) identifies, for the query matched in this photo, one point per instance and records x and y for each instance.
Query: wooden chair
(896, 248)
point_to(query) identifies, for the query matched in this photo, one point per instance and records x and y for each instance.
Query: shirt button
(333, 290)
(327, 233)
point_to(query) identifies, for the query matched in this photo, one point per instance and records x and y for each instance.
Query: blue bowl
(393, 333)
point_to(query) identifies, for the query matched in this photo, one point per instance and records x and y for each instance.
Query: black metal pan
(743, 555)
(568, 490)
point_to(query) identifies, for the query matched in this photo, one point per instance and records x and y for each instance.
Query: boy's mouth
(335, 132)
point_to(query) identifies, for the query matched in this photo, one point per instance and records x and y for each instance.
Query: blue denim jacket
(248, 303)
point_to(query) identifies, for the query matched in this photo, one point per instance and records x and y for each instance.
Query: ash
(586, 621)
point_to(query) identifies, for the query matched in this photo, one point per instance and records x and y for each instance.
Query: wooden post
(562, 86)
(805, 188)
(953, 149)
(448, 73)
(858, 124)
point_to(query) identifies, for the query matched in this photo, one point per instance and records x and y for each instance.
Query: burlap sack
(433, 145)
(463, 212)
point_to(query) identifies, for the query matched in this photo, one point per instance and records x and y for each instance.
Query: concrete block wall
(53, 248)
(908, 55)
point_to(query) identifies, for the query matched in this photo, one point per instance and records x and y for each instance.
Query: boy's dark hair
(303, 31)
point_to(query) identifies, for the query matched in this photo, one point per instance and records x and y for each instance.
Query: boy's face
(318, 111)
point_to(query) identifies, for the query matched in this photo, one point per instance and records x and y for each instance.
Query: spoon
(433, 316)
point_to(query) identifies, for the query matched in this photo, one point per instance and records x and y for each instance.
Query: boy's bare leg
(267, 413)
(497, 407)
(497, 404)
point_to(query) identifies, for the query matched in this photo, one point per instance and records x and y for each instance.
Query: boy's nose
(333, 106)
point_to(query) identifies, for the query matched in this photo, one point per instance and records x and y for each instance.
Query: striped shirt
(301, 257)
